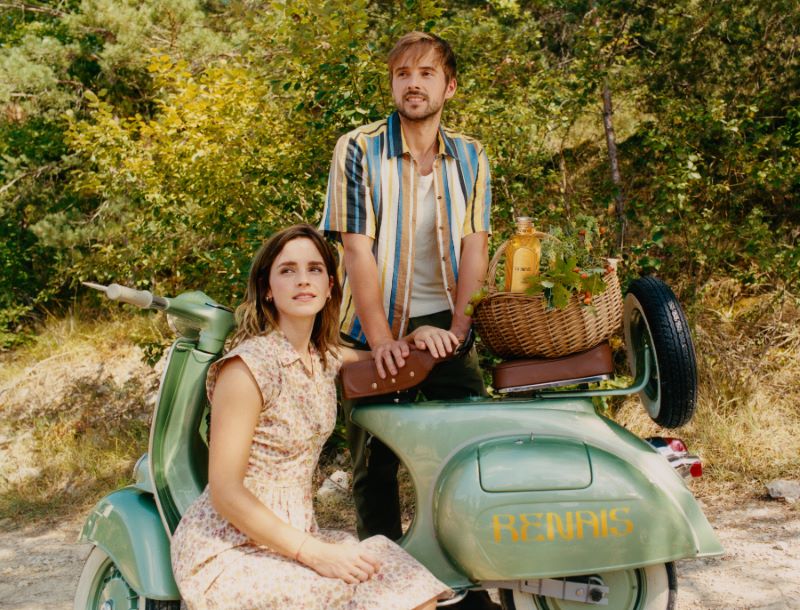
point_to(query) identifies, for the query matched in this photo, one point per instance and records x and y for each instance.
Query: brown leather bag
(360, 379)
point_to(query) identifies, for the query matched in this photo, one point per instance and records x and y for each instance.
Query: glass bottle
(523, 253)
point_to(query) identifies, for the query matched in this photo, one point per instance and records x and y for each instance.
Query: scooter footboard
(559, 506)
(127, 526)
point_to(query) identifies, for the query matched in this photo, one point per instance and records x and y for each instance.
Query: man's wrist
(460, 328)
(382, 342)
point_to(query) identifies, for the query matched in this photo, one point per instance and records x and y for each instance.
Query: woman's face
(299, 282)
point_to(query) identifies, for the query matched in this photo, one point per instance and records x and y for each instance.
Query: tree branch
(32, 8)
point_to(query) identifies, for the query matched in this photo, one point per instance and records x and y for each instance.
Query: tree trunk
(611, 142)
(562, 165)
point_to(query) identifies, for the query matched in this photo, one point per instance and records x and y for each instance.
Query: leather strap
(360, 379)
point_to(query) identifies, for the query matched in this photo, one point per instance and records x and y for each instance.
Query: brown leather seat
(536, 373)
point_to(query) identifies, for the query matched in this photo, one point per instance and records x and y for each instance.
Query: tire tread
(674, 349)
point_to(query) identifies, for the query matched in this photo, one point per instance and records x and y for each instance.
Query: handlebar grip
(140, 298)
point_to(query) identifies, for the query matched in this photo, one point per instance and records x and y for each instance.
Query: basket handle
(491, 273)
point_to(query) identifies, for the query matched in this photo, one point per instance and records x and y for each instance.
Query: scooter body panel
(177, 448)
(127, 526)
(544, 488)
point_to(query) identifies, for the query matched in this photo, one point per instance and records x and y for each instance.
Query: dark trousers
(375, 489)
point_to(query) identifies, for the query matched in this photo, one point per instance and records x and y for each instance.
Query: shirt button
(439, 197)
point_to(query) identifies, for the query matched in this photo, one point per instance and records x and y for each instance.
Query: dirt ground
(39, 566)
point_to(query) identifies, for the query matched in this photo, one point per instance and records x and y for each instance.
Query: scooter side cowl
(543, 506)
(521, 489)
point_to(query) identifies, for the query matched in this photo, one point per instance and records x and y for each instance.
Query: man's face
(419, 86)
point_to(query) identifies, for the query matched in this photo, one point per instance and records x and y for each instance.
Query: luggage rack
(542, 376)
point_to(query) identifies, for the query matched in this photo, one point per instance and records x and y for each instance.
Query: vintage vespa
(536, 496)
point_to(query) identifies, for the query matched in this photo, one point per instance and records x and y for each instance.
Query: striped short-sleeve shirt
(372, 191)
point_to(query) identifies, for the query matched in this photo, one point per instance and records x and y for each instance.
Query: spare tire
(653, 316)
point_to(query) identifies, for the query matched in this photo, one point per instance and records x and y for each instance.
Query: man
(409, 202)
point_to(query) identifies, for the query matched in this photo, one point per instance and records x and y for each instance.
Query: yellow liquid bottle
(523, 253)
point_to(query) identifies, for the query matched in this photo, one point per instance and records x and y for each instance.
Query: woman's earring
(269, 298)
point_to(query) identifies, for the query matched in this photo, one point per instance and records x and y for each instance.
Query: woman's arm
(236, 406)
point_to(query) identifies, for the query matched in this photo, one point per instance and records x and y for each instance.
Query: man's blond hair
(419, 43)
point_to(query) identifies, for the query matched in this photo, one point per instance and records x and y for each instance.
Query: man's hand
(390, 355)
(438, 341)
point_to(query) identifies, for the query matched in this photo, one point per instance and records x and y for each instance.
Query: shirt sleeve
(478, 214)
(348, 204)
(334, 361)
(263, 367)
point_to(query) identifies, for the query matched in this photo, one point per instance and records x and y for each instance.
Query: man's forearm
(362, 273)
(471, 275)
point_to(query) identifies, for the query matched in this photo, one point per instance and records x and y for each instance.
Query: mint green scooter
(535, 495)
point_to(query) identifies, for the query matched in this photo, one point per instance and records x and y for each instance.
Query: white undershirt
(428, 293)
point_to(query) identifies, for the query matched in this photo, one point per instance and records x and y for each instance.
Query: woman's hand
(438, 341)
(348, 561)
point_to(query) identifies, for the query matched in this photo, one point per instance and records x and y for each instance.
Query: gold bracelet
(297, 553)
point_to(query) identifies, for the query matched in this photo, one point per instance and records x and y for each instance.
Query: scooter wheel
(651, 588)
(653, 316)
(102, 587)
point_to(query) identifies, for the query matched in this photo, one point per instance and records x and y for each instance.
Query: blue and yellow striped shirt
(372, 191)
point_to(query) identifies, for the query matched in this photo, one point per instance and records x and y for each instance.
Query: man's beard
(418, 118)
(421, 115)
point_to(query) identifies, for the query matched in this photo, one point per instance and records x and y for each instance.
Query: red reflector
(676, 444)
(696, 470)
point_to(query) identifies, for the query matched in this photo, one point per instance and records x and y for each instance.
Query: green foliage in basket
(572, 263)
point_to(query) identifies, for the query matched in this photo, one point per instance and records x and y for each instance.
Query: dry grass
(74, 415)
(747, 423)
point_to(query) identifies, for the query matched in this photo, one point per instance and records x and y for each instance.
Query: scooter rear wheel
(651, 588)
(102, 587)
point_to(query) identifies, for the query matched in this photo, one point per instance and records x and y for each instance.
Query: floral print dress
(216, 566)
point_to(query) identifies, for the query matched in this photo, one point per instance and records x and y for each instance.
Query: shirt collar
(397, 143)
(287, 354)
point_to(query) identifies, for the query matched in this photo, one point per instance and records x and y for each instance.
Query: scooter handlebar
(140, 298)
(123, 294)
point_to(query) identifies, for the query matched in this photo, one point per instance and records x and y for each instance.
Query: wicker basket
(516, 325)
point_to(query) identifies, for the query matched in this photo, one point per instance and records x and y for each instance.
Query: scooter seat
(537, 373)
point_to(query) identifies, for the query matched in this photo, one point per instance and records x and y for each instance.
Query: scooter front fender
(127, 526)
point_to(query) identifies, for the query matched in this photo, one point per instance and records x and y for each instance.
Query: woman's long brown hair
(258, 316)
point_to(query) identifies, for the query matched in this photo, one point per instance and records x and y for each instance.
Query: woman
(251, 540)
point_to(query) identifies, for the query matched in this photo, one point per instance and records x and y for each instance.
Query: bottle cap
(524, 223)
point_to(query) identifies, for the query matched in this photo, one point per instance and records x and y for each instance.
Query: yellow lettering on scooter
(554, 519)
(586, 517)
(612, 515)
(525, 524)
(508, 525)
(567, 525)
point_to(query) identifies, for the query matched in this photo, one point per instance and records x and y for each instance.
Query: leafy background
(157, 142)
